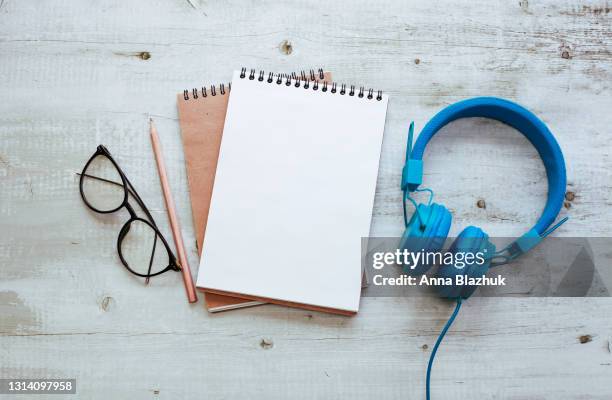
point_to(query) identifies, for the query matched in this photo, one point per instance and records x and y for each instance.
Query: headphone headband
(520, 119)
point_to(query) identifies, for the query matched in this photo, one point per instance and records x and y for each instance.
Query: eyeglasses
(105, 189)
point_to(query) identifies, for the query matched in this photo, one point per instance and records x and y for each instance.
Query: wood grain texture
(78, 73)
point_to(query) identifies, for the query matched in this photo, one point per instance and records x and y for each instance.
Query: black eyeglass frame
(128, 189)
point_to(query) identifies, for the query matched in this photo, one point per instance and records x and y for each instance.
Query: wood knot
(106, 303)
(569, 197)
(266, 344)
(286, 47)
(481, 204)
(585, 339)
(144, 55)
(417, 61)
(565, 51)
(424, 347)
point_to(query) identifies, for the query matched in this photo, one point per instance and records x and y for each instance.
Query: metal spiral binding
(204, 92)
(252, 73)
(309, 80)
(305, 79)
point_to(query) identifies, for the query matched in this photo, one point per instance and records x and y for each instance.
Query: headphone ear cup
(427, 235)
(471, 241)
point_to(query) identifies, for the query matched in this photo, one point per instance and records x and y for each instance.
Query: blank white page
(293, 193)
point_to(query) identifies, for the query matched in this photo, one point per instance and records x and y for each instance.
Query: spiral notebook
(293, 192)
(201, 115)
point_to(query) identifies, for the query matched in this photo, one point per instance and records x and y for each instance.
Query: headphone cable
(435, 348)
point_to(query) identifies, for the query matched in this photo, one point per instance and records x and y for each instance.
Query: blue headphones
(428, 227)
(430, 223)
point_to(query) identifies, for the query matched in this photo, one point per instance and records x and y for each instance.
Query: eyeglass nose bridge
(131, 211)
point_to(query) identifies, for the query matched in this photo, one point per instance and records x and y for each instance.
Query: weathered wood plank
(76, 74)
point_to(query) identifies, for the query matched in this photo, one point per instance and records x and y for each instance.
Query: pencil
(174, 222)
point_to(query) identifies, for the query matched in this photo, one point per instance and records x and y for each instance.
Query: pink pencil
(174, 222)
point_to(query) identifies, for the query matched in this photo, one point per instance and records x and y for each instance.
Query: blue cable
(435, 348)
(407, 196)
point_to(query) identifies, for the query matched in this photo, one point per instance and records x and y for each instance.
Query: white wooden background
(77, 73)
